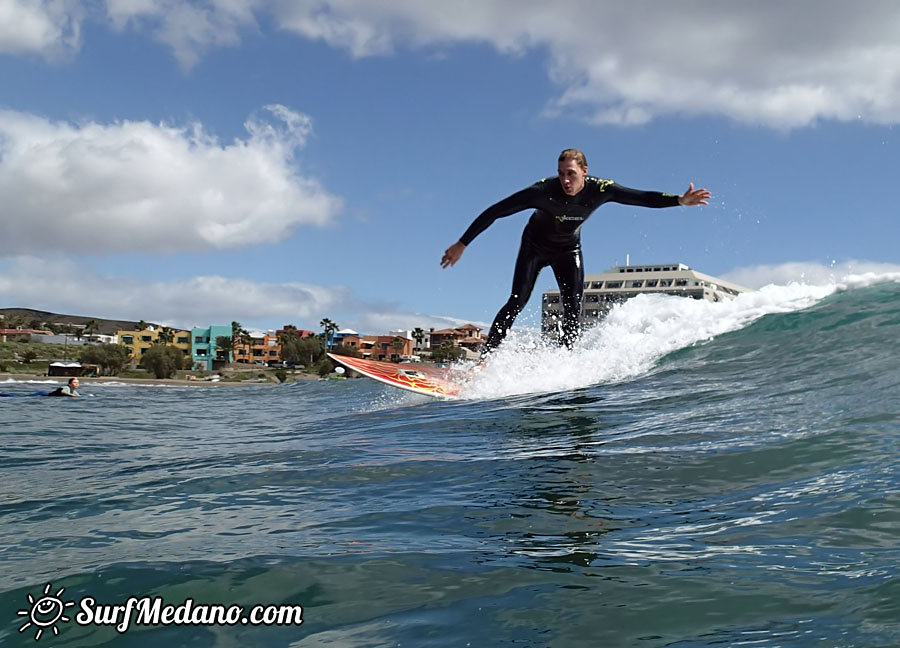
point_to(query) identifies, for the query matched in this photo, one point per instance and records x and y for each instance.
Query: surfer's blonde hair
(574, 154)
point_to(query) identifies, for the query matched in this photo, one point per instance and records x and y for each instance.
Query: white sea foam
(636, 334)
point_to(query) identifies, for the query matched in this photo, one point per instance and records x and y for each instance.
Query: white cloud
(137, 186)
(45, 27)
(67, 287)
(814, 274)
(189, 28)
(378, 320)
(778, 64)
(71, 288)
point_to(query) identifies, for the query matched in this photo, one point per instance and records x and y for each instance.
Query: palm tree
(141, 325)
(236, 330)
(418, 335)
(165, 335)
(247, 342)
(223, 346)
(397, 344)
(287, 333)
(91, 327)
(330, 328)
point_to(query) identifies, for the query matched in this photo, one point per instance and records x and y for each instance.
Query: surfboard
(419, 378)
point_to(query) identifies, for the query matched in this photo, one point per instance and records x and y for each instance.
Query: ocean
(692, 474)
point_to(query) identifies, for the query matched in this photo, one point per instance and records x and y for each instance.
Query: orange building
(264, 348)
(468, 336)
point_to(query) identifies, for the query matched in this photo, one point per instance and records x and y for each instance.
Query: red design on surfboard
(419, 378)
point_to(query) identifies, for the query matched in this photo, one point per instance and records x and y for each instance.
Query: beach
(225, 381)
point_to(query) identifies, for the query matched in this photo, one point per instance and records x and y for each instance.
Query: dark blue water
(728, 478)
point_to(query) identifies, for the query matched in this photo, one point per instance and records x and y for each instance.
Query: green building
(203, 347)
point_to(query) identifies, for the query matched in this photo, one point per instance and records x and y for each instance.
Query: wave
(639, 334)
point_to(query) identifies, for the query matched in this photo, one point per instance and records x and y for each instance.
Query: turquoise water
(694, 475)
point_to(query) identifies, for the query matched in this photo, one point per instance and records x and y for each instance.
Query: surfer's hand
(693, 197)
(452, 254)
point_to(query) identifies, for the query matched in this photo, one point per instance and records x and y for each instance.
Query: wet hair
(576, 155)
(72, 378)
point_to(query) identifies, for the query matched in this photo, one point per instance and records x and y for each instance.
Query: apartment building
(605, 290)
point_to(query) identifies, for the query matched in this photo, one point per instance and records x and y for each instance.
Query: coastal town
(215, 347)
(109, 347)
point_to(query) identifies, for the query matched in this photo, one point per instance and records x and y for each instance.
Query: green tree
(311, 350)
(447, 353)
(329, 328)
(325, 366)
(91, 327)
(166, 335)
(140, 326)
(346, 351)
(162, 361)
(238, 333)
(223, 347)
(247, 343)
(293, 349)
(28, 355)
(111, 358)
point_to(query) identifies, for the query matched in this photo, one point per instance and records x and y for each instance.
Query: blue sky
(278, 162)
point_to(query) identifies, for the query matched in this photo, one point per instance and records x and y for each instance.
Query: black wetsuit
(552, 238)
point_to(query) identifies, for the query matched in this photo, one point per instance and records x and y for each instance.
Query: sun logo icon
(45, 612)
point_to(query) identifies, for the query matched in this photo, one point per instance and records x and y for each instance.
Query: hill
(27, 315)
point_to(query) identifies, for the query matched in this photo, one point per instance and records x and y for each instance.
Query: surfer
(552, 236)
(70, 389)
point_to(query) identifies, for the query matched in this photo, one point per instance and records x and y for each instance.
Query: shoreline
(179, 382)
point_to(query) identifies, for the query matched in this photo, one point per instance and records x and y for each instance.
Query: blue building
(203, 347)
(337, 338)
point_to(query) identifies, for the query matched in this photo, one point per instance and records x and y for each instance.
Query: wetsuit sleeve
(639, 198)
(520, 200)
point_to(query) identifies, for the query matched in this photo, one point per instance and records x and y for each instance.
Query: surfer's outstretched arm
(528, 197)
(452, 254)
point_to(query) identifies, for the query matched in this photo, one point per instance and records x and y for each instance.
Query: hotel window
(127, 339)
